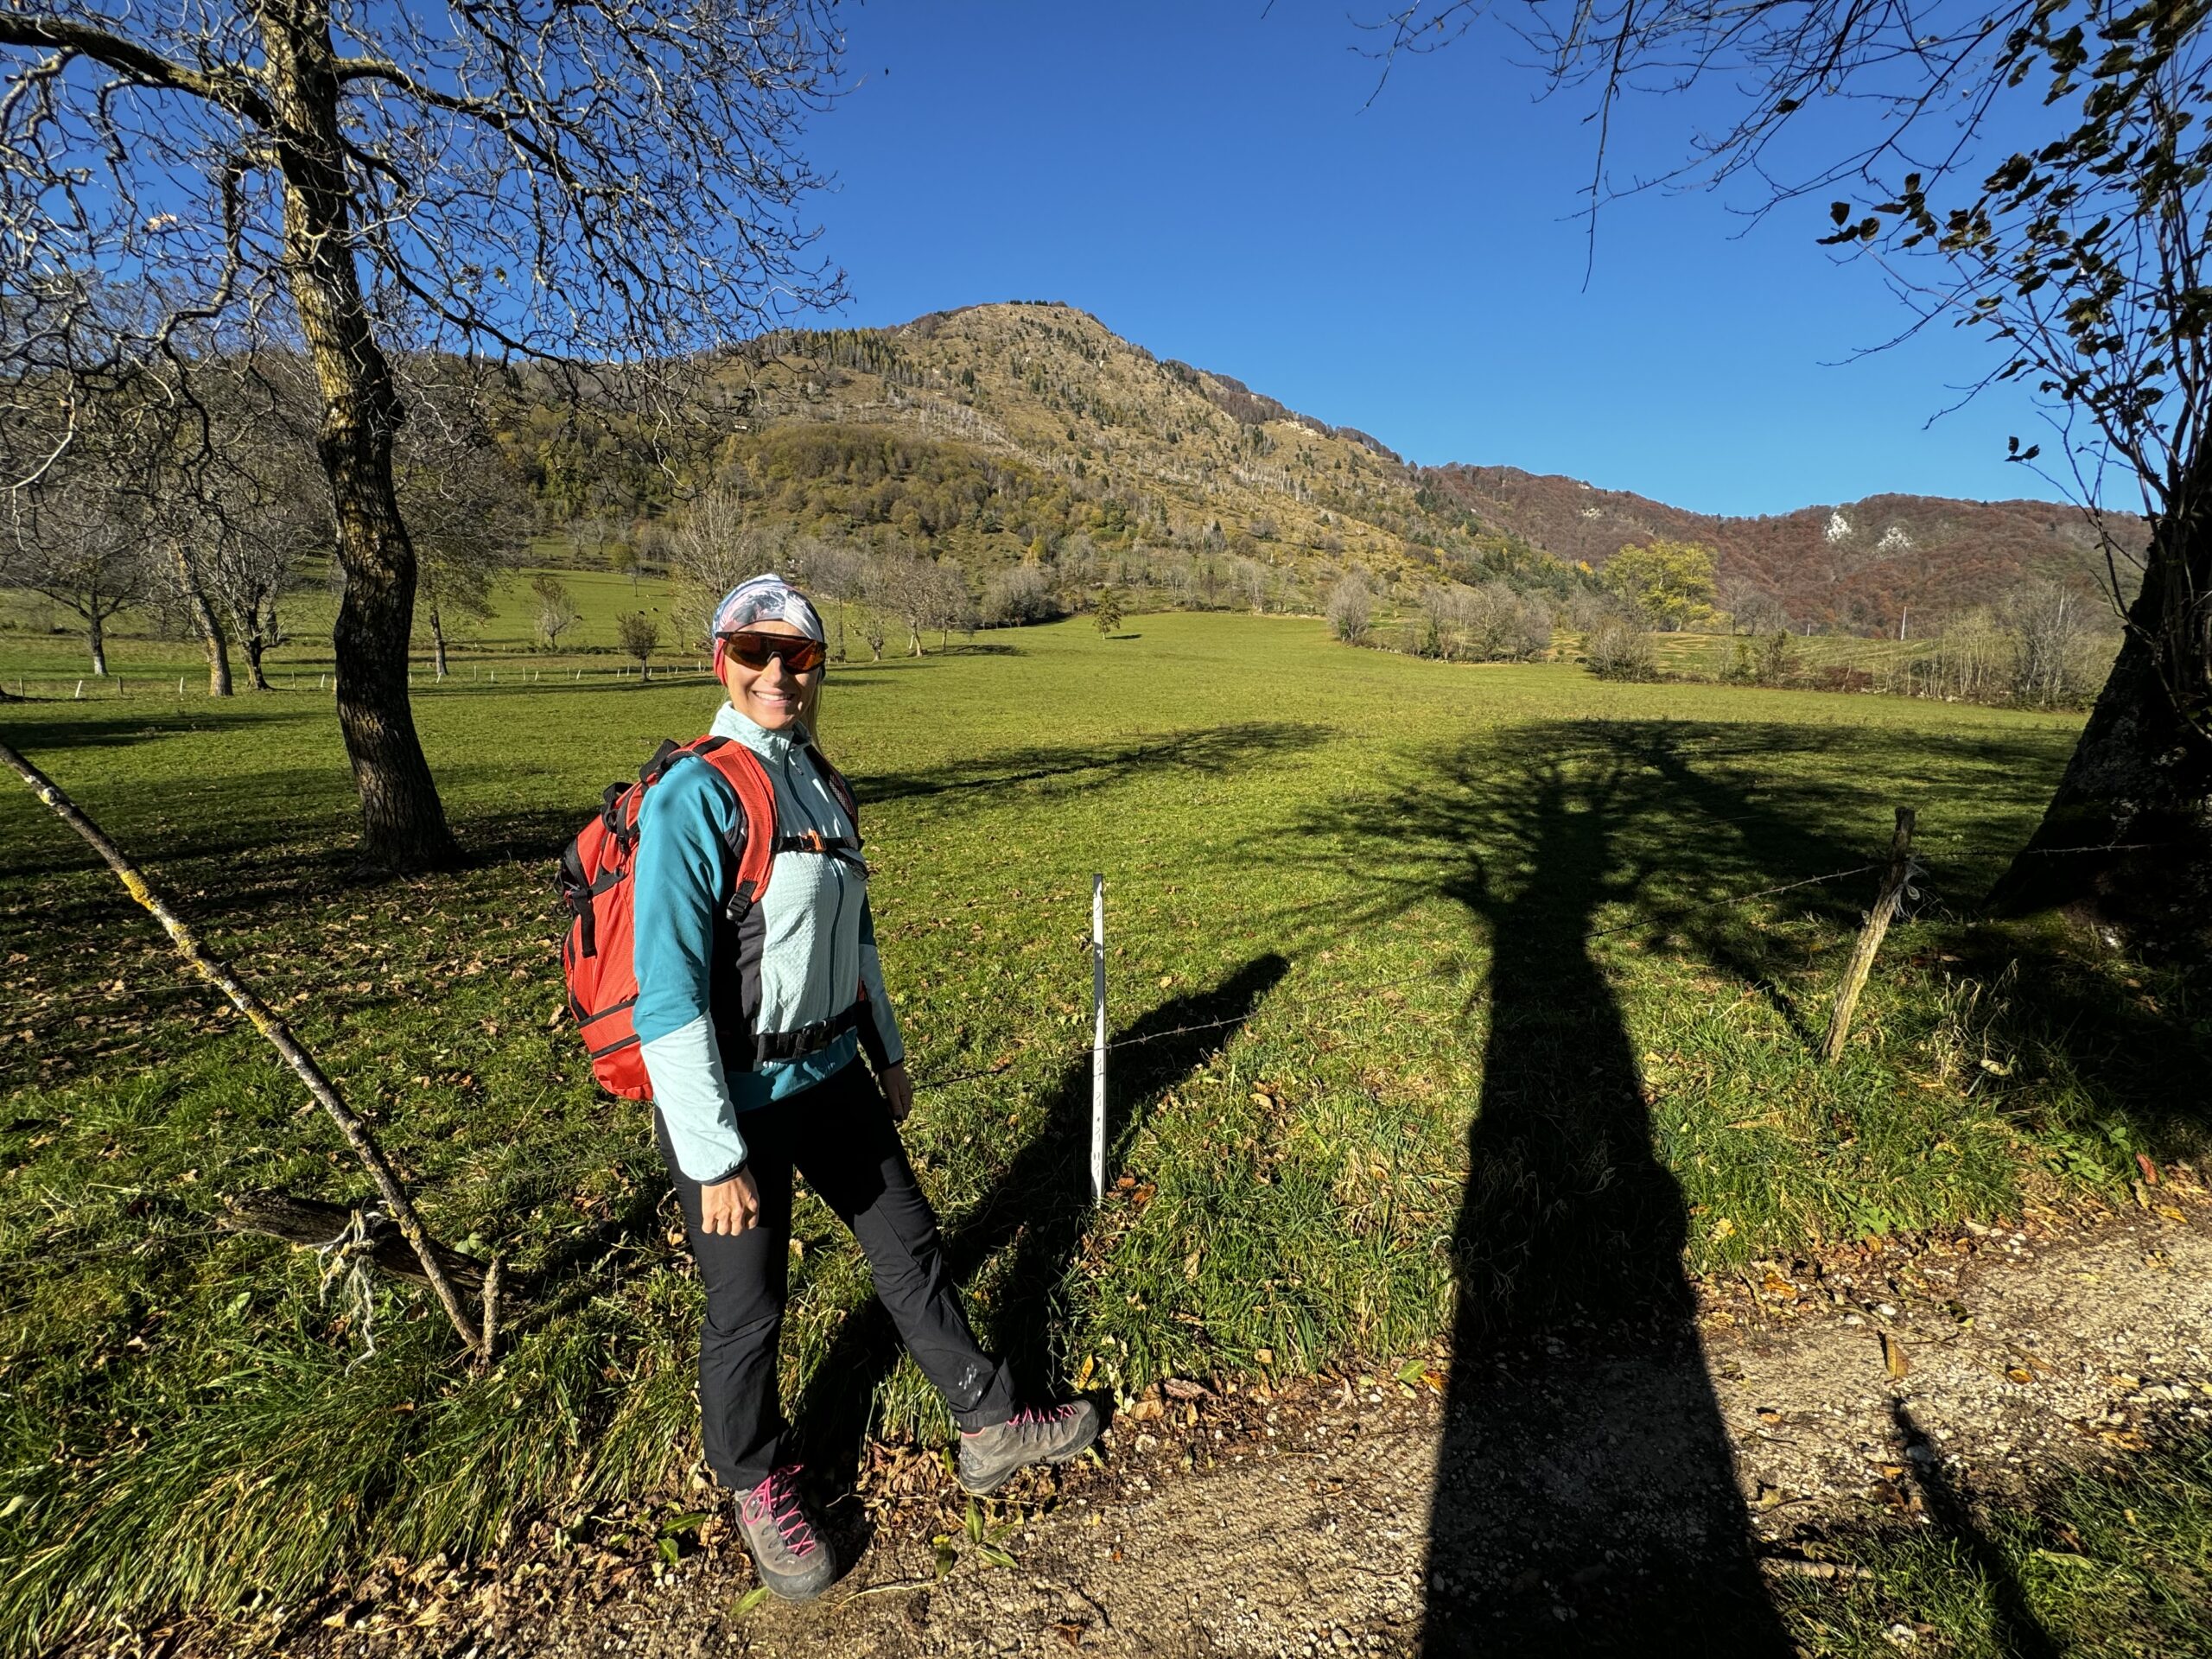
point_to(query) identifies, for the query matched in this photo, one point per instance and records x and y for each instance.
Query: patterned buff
(765, 598)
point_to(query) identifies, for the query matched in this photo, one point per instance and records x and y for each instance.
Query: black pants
(839, 1134)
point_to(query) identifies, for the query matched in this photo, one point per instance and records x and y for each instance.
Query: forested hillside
(1029, 432)
(999, 434)
(1856, 567)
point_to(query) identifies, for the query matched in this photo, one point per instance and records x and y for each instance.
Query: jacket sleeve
(679, 878)
(893, 1046)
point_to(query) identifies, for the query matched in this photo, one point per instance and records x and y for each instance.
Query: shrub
(1017, 596)
(1351, 607)
(1770, 661)
(1618, 649)
(1490, 623)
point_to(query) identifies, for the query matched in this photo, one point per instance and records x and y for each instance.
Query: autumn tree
(1668, 583)
(606, 182)
(2077, 246)
(1107, 608)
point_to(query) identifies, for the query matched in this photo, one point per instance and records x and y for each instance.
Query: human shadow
(1035, 1216)
(1586, 1498)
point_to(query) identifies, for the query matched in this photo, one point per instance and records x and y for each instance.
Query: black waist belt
(780, 1045)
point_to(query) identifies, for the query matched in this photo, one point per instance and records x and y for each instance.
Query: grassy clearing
(1312, 853)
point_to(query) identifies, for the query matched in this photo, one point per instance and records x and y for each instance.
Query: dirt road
(1588, 1491)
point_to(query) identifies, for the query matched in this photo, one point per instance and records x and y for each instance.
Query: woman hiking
(732, 1127)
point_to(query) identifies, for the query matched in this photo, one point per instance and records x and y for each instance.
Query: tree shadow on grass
(2020, 1634)
(1586, 1498)
(35, 733)
(1205, 749)
(1038, 1212)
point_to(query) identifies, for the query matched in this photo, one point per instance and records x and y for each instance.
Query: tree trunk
(203, 618)
(254, 646)
(403, 824)
(2125, 843)
(96, 637)
(438, 640)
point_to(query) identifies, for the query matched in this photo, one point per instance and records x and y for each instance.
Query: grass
(2106, 1566)
(1315, 857)
(43, 646)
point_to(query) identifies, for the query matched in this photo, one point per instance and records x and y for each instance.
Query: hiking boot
(794, 1558)
(988, 1456)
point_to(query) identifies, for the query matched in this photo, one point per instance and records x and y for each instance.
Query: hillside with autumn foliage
(1859, 566)
(996, 435)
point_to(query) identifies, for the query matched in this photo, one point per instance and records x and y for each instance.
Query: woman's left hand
(897, 1091)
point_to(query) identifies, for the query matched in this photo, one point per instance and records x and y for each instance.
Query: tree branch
(396, 1204)
(126, 56)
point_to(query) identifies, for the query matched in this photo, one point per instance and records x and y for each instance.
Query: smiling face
(773, 698)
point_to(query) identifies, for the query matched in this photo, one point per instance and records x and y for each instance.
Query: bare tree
(830, 573)
(947, 601)
(557, 606)
(639, 637)
(718, 544)
(1017, 595)
(1351, 606)
(236, 495)
(87, 545)
(467, 513)
(900, 584)
(608, 182)
(2081, 254)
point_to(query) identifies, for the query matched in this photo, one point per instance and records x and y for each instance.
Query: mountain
(1034, 417)
(996, 433)
(1857, 565)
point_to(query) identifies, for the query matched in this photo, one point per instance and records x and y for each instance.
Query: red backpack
(595, 879)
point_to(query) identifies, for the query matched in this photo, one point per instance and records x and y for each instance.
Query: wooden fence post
(1869, 936)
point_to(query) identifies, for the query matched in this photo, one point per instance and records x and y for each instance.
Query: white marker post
(1098, 1037)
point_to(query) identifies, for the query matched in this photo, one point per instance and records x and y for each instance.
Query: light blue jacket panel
(818, 945)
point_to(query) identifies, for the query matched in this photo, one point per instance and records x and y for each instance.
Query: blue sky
(1211, 180)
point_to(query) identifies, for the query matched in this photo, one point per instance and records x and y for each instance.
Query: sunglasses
(800, 655)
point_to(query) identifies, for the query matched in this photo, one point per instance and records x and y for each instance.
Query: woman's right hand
(729, 1206)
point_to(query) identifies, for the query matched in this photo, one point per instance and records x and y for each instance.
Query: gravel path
(1587, 1494)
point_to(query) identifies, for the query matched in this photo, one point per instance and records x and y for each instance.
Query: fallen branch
(312, 1224)
(396, 1203)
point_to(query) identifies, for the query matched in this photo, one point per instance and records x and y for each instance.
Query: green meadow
(1313, 854)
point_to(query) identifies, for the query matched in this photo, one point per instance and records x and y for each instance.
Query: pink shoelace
(777, 1499)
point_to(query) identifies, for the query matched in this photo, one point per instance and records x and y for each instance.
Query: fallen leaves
(1893, 1357)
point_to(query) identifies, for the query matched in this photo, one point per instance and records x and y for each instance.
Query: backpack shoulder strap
(752, 841)
(838, 787)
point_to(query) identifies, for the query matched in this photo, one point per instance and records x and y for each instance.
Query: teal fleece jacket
(818, 948)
